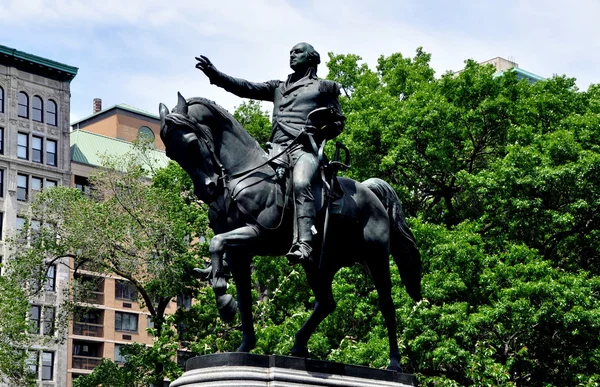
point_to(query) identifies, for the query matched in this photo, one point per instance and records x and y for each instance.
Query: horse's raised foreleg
(218, 245)
(320, 284)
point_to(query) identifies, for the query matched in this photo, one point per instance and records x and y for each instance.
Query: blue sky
(141, 52)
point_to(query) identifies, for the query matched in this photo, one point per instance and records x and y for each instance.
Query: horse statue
(250, 215)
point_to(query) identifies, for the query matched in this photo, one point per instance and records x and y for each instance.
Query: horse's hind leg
(379, 267)
(320, 284)
(240, 268)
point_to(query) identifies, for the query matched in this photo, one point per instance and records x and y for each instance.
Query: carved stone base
(246, 370)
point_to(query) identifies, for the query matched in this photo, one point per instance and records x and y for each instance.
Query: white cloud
(141, 52)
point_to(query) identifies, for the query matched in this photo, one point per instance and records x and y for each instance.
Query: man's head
(303, 56)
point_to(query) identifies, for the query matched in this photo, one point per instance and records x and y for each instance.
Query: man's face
(299, 57)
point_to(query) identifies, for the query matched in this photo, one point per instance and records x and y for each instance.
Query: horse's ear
(163, 110)
(181, 107)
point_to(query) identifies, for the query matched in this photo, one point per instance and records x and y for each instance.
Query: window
(51, 113)
(1, 100)
(47, 365)
(51, 152)
(37, 109)
(36, 149)
(146, 134)
(50, 183)
(50, 278)
(20, 223)
(184, 301)
(37, 183)
(35, 229)
(82, 183)
(23, 109)
(87, 348)
(1, 227)
(127, 322)
(88, 316)
(125, 290)
(1, 183)
(1, 141)
(49, 315)
(35, 314)
(23, 146)
(120, 359)
(22, 187)
(42, 319)
(33, 363)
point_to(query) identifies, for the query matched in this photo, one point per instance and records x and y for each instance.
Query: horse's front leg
(231, 241)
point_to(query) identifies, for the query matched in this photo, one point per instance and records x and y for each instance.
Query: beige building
(503, 65)
(34, 154)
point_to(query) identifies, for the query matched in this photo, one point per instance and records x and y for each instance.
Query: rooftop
(115, 109)
(36, 64)
(90, 148)
(522, 74)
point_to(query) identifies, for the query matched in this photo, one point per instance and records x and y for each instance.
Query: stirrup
(300, 252)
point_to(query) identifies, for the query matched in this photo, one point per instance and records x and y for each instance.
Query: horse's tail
(402, 241)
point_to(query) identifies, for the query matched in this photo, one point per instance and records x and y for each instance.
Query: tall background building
(34, 154)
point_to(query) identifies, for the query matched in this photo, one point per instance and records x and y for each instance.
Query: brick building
(112, 317)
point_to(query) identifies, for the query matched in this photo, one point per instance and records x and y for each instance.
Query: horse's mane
(186, 120)
(216, 109)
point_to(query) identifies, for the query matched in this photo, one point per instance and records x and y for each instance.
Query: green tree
(255, 120)
(14, 337)
(148, 232)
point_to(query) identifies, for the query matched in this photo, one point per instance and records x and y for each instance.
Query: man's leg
(305, 170)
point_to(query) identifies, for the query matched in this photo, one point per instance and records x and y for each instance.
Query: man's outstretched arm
(263, 91)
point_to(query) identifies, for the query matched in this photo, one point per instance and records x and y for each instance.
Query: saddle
(330, 187)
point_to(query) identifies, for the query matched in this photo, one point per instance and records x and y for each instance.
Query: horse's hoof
(300, 352)
(394, 367)
(227, 307)
(248, 344)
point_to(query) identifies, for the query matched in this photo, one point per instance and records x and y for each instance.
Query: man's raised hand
(203, 63)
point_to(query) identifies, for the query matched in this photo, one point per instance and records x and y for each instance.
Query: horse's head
(189, 142)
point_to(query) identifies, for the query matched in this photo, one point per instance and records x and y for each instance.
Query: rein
(239, 174)
(225, 177)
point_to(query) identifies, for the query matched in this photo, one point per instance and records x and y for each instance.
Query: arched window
(37, 109)
(146, 134)
(23, 110)
(51, 113)
(1, 100)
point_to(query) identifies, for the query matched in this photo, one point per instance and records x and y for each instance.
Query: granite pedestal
(247, 370)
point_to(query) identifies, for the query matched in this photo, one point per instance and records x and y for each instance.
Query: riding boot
(301, 251)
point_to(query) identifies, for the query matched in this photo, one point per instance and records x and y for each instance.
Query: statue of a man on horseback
(293, 129)
(247, 206)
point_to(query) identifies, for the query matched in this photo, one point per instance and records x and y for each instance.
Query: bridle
(200, 132)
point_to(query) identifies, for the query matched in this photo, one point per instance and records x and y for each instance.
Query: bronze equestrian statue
(248, 202)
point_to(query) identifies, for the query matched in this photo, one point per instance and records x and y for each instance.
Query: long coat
(292, 102)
